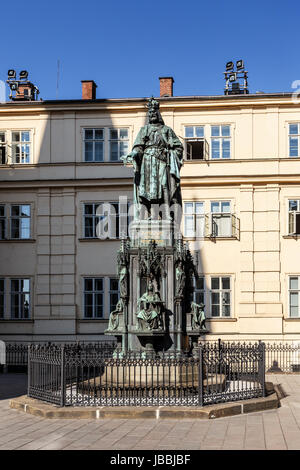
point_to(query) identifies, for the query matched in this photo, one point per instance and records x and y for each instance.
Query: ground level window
(220, 296)
(294, 291)
(20, 298)
(113, 293)
(93, 297)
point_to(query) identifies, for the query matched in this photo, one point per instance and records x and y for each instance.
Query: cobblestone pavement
(274, 429)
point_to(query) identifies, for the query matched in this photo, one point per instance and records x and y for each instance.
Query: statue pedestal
(148, 340)
(143, 231)
(195, 335)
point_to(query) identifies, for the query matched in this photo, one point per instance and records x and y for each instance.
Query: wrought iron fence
(17, 353)
(80, 376)
(280, 357)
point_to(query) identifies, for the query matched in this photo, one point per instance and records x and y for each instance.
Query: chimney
(88, 89)
(166, 86)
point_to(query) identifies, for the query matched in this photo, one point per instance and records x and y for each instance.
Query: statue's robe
(158, 163)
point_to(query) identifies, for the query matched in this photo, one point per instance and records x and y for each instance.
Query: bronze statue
(113, 323)
(157, 158)
(198, 316)
(150, 309)
(180, 279)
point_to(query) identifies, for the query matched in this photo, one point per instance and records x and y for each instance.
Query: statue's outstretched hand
(127, 159)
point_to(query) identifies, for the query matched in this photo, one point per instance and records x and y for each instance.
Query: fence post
(262, 366)
(63, 377)
(28, 371)
(200, 376)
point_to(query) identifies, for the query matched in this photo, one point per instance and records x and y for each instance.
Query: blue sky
(126, 45)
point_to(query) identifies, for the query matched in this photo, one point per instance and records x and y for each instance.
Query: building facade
(60, 161)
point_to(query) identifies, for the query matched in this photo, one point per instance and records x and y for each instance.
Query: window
(2, 296)
(221, 220)
(2, 223)
(112, 215)
(220, 142)
(194, 219)
(20, 298)
(93, 297)
(220, 296)
(199, 290)
(195, 143)
(294, 291)
(113, 293)
(118, 143)
(20, 221)
(294, 217)
(294, 140)
(21, 147)
(3, 146)
(93, 145)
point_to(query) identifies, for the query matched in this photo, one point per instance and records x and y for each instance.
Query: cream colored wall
(258, 180)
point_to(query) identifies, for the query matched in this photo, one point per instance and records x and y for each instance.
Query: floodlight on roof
(239, 64)
(14, 86)
(232, 77)
(23, 75)
(229, 66)
(11, 74)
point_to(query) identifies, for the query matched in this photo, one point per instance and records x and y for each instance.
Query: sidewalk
(274, 429)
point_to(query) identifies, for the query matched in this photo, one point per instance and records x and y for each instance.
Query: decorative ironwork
(82, 376)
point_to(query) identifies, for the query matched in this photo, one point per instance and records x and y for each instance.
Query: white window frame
(221, 291)
(119, 141)
(294, 136)
(293, 214)
(219, 215)
(197, 217)
(118, 214)
(197, 291)
(293, 291)
(20, 142)
(19, 293)
(93, 141)
(194, 138)
(221, 138)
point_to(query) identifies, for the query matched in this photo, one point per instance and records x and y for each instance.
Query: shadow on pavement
(12, 385)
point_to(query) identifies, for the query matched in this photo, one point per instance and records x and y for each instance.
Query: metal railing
(79, 376)
(17, 353)
(280, 357)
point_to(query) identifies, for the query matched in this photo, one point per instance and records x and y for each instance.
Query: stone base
(46, 410)
(144, 377)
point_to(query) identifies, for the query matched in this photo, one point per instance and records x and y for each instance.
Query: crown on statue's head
(153, 104)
